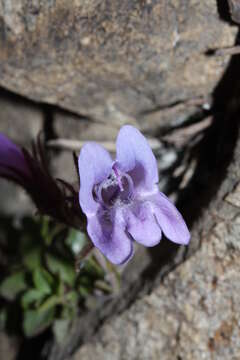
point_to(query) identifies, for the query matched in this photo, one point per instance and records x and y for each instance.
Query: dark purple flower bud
(121, 198)
(12, 161)
(52, 197)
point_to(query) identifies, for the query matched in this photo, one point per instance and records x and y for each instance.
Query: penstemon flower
(121, 198)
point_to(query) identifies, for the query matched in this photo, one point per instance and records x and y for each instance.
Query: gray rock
(9, 346)
(20, 119)
(72, 127)
(112, 62)
(14, 200)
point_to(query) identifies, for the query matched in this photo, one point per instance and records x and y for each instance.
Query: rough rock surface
(110, 60)
(8, 347)
(194, 312)
(70, 127)
(20, 119)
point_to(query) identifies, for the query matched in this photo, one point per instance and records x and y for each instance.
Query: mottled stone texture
(20, 119)
(8, 347)
(112, 60)
(194, 312)
(234, 6)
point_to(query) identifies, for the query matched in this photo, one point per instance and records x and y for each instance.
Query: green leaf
(44, 227)
(13, 285)
(49, 232)
(31, 296)
(62, 268)
(49, 277)
(59, 288)
(71, 298)
(40, 281)
(69, 312)
(102, 285)
(60, 330)
(51, 302)
(85, 280)
(32, 259)
(30, 234)
(3, 318)
(76, 240)
(35, 321)
(93, 267)
(84, 291)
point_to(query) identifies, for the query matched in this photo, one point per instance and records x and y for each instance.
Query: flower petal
(135, 156)
(11, 158)
(110, 236)
(94, 164)
(170, 220)
(142, 225)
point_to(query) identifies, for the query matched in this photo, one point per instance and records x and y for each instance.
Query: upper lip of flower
(107, 186)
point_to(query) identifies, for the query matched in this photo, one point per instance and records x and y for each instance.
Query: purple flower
(121, 198)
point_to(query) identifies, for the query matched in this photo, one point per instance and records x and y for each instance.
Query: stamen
(117, 189)
(130, 184)
(118, 177)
